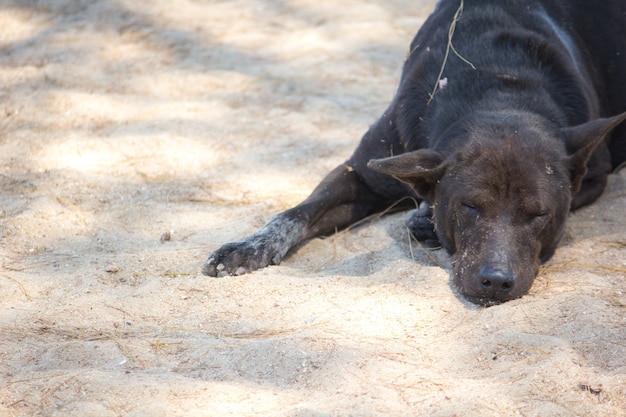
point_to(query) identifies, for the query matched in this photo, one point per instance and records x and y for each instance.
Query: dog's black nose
(496, 283)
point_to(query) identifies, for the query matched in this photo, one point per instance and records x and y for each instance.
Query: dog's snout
(496, 283)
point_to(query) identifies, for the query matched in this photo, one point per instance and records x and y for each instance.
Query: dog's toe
(211, 268)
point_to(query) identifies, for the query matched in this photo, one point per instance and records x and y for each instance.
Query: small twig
(376, 215)
(462, 58)
(408, 231)
(620, 167)
(19, 381)
(519, 347)
(24, 290)
(570, 265)
(449, 47)
(126, 313)
(121, 346)
(49, 392)
(427, 252)
(175, 274)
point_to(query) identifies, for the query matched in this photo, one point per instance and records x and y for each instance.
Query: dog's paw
(421, 225)
(266, 247)
(238, 258)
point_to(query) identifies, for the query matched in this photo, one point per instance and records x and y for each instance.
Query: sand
(137, 137)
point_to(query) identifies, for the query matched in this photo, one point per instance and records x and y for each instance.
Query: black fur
(500, 139)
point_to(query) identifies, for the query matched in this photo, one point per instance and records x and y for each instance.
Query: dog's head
(501, 197)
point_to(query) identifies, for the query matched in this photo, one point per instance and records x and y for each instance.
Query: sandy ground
(137, 137)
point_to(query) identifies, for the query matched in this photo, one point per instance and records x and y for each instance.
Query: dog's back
(579, 46)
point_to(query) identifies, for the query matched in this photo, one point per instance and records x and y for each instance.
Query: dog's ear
(420, 169)
(581, 140)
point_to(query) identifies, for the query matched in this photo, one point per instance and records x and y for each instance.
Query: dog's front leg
(339, 200)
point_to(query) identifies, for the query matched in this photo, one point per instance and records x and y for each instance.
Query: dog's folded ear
(420, 169)
(581, 140)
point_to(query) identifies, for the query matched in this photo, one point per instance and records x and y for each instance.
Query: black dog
(501, 125)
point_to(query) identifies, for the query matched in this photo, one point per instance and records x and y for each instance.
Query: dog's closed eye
(469, 207)
(539, 220)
